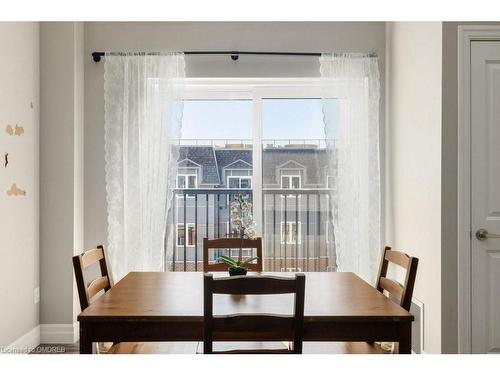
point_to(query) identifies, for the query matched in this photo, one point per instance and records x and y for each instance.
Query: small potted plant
(243, 226)
(236, 268)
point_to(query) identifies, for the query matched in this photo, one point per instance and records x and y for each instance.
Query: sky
(232, 119)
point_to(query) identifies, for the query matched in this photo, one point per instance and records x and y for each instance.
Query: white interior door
(485, 196)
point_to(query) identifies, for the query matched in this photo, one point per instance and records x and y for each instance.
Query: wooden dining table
(168, 306)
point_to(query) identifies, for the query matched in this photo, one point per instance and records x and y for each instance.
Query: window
(262, 135)
(239, 182)
(329, 232)
(290, 182)
(330, 182)
(289, 233)
(234, 253)
(187, 181)
(291, 269)
(181, 236)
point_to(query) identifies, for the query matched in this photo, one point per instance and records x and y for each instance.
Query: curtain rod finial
(96, 56)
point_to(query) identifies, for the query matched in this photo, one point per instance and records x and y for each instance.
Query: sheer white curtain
(142, 120)
(351, 98)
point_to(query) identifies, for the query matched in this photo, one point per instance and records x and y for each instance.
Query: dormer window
(187, 181)
(239, 182)
(291, 182)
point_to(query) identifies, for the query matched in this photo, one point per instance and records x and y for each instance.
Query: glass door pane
(214, 152)
(294, 157)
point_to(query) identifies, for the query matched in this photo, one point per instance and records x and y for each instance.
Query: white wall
(19, 215)
(413, 159)
(61, 142)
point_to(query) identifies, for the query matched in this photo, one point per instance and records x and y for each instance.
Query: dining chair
(250, 328)
(401, 293)
(231, 243)
(89, 290)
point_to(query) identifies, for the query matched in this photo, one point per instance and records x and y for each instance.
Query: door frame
(466, 35)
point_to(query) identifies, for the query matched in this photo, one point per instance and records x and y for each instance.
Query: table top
(178, 296)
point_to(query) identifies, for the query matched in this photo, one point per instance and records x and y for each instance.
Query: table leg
(85, 338)
(405, 338)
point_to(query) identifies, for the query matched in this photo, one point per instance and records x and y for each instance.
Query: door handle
(482, 235)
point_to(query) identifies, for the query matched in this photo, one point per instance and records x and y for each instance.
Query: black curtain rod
(96, 56)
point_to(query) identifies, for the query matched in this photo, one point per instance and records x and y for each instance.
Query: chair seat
(153, 348)
(226, 347)
(313, 347)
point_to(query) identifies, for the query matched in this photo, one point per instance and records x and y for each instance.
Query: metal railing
(267, 143)
(296, 227)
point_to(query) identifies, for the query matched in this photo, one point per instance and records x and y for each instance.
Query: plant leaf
(228, 261)
(247, 261)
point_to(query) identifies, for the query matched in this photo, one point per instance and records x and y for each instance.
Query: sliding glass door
(265, 140)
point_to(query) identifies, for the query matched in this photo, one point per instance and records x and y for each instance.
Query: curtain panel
(142, 121)
(351, 96)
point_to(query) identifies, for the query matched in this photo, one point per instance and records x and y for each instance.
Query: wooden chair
(88, 290)
(252, 327)
(231, 243)
(401, 293)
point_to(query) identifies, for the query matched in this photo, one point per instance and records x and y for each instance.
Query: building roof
(233, 159)
(311, 161)
(213, 161)
(203, 156)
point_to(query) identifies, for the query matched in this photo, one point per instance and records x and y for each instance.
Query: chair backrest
(403, 293)
(87, 290)
(253, 327)
(231, 243)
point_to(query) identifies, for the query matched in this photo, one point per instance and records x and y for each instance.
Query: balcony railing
(266, 143)
(297, 227)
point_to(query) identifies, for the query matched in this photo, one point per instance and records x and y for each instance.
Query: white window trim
(290, 176)
(328, 177)
(239, 178)
(291, 269)
(291, 196)
(327, 230)
(188, 196)
(299, 233)
(186, 175)
(187, 236)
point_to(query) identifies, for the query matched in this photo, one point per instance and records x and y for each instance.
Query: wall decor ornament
(15, 191)
(17, 130)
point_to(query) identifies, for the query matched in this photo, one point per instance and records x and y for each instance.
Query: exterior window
(329, 232)
(187, 181)
(330, 182)
(289, 233)
(290, 182)
(239, 182)
(181, 236)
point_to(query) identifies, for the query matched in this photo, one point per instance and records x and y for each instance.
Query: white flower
(250, 233)
(241, 216)
(247, 221)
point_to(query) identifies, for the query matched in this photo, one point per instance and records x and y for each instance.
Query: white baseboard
(25, 343)
(57, 334)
